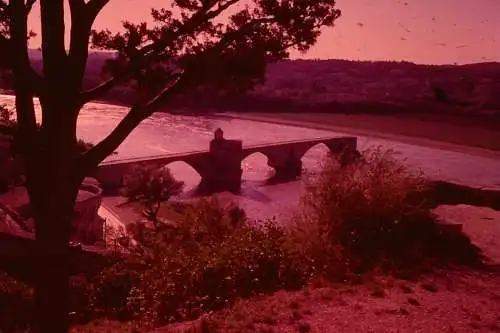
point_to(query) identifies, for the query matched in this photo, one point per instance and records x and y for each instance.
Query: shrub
(151, 187)
(371, 213)
(6, 115)
(217, 259)
(185, 282)
(210, 219)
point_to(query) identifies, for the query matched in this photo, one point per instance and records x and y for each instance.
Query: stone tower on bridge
(225, 157)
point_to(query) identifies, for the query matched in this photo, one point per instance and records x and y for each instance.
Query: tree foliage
(151, 187)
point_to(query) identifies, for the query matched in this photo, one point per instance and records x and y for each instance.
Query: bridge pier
(345, 150)
(287, 166)
(225, 172)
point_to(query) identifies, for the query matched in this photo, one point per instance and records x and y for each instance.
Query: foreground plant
(150, 187)
(375, 213)
(210, 258)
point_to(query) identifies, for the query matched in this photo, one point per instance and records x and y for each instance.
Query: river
(163, 134)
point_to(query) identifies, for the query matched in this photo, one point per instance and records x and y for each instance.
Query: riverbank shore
(436, 132)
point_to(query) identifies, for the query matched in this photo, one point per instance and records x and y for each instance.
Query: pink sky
(421, 31)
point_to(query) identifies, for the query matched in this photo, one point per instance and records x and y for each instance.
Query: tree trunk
(53, 190)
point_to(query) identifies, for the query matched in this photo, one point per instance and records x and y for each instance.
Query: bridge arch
(255, 166)
(316, 152)
(185, 172)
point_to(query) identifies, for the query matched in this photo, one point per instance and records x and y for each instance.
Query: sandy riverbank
(449, 133)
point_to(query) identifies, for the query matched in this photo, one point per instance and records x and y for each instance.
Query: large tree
(211, 43)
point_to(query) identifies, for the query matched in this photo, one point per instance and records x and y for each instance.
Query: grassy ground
(419, 129)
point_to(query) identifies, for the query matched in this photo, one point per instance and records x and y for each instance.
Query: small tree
(151, 187)
(5, 116)
(179, 50)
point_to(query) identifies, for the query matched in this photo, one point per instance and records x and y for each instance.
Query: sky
(420, 31)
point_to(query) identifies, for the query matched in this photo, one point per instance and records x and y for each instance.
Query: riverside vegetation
(368, 218)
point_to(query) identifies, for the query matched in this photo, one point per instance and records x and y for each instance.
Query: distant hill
(343, 84)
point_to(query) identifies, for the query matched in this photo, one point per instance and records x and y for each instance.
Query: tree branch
(22, 70)
(53, 47)
(92, 158)
(9, 56)
(79, 38)
(5, 57)
(100, 89)
(203, 15)
(94, 7)
(83, 16)
(29, 5)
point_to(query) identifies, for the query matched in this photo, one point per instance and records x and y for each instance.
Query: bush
(208, 260)
(151, 187)
(185, 282)
(210, 219)
(6, 115)
(370, 214)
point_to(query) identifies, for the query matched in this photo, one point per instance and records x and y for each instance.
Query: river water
(163, 134)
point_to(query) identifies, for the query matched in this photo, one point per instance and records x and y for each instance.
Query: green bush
(205, 261)
(187, 281)
(373, 213)
(6, 115)
(210, 258)
(151, 187)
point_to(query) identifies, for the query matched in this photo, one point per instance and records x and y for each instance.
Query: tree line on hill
(327, 85)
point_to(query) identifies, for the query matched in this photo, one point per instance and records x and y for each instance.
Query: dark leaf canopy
(227, 42)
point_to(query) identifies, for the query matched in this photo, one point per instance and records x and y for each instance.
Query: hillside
(344, 85)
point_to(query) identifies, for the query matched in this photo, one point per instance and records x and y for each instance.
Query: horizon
(455, 32)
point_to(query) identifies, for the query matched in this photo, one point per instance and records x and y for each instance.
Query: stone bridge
(220, 166)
